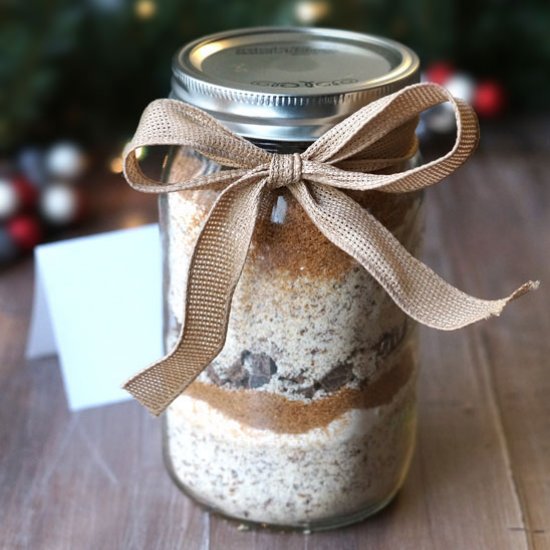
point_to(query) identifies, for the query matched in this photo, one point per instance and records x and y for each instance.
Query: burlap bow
(378, 136)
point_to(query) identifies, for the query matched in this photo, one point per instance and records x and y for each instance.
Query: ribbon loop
(380, 136)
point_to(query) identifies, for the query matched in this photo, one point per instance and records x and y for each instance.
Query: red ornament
(439, 72)
(27, 193)
(25, 230)
(489, 98)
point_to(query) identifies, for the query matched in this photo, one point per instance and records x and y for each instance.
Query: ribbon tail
(413, 286)
(215, 269)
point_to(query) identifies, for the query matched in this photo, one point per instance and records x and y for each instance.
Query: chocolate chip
(237, 375)
(259, 366)
(308, 392)
(337, 377)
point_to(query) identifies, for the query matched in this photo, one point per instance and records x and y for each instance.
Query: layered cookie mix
(307, 414)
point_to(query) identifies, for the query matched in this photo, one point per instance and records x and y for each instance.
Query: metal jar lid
(289, 84)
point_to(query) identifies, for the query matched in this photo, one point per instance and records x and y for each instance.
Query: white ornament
(462, 86)
(9, 199)
(440, 119)
(308, 11)
(59, 204)
(65, 161)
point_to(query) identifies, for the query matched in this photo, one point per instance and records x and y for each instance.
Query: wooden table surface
(480, 478)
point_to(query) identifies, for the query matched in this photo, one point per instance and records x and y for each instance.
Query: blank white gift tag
(98, 305)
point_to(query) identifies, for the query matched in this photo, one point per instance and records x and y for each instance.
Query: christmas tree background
(85, 70)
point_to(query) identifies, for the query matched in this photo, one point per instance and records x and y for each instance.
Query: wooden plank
(513, 350)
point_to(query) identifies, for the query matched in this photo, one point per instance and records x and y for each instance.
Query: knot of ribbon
(356, 154)
(284, 170)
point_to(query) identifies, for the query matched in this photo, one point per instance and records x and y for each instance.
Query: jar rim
(289, 83)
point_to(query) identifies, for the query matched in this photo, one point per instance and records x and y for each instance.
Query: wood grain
(480, 478)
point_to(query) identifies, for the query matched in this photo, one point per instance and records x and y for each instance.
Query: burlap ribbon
(378, 137)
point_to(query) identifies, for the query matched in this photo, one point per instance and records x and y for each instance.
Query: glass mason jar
(307, 416)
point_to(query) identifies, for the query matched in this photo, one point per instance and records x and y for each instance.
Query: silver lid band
(289, 84)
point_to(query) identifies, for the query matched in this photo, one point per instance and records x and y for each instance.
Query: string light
(309, 11)
(116, 165)
(145, 9)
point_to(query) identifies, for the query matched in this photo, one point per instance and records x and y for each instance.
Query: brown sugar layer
(296, 246)
(274, 412)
